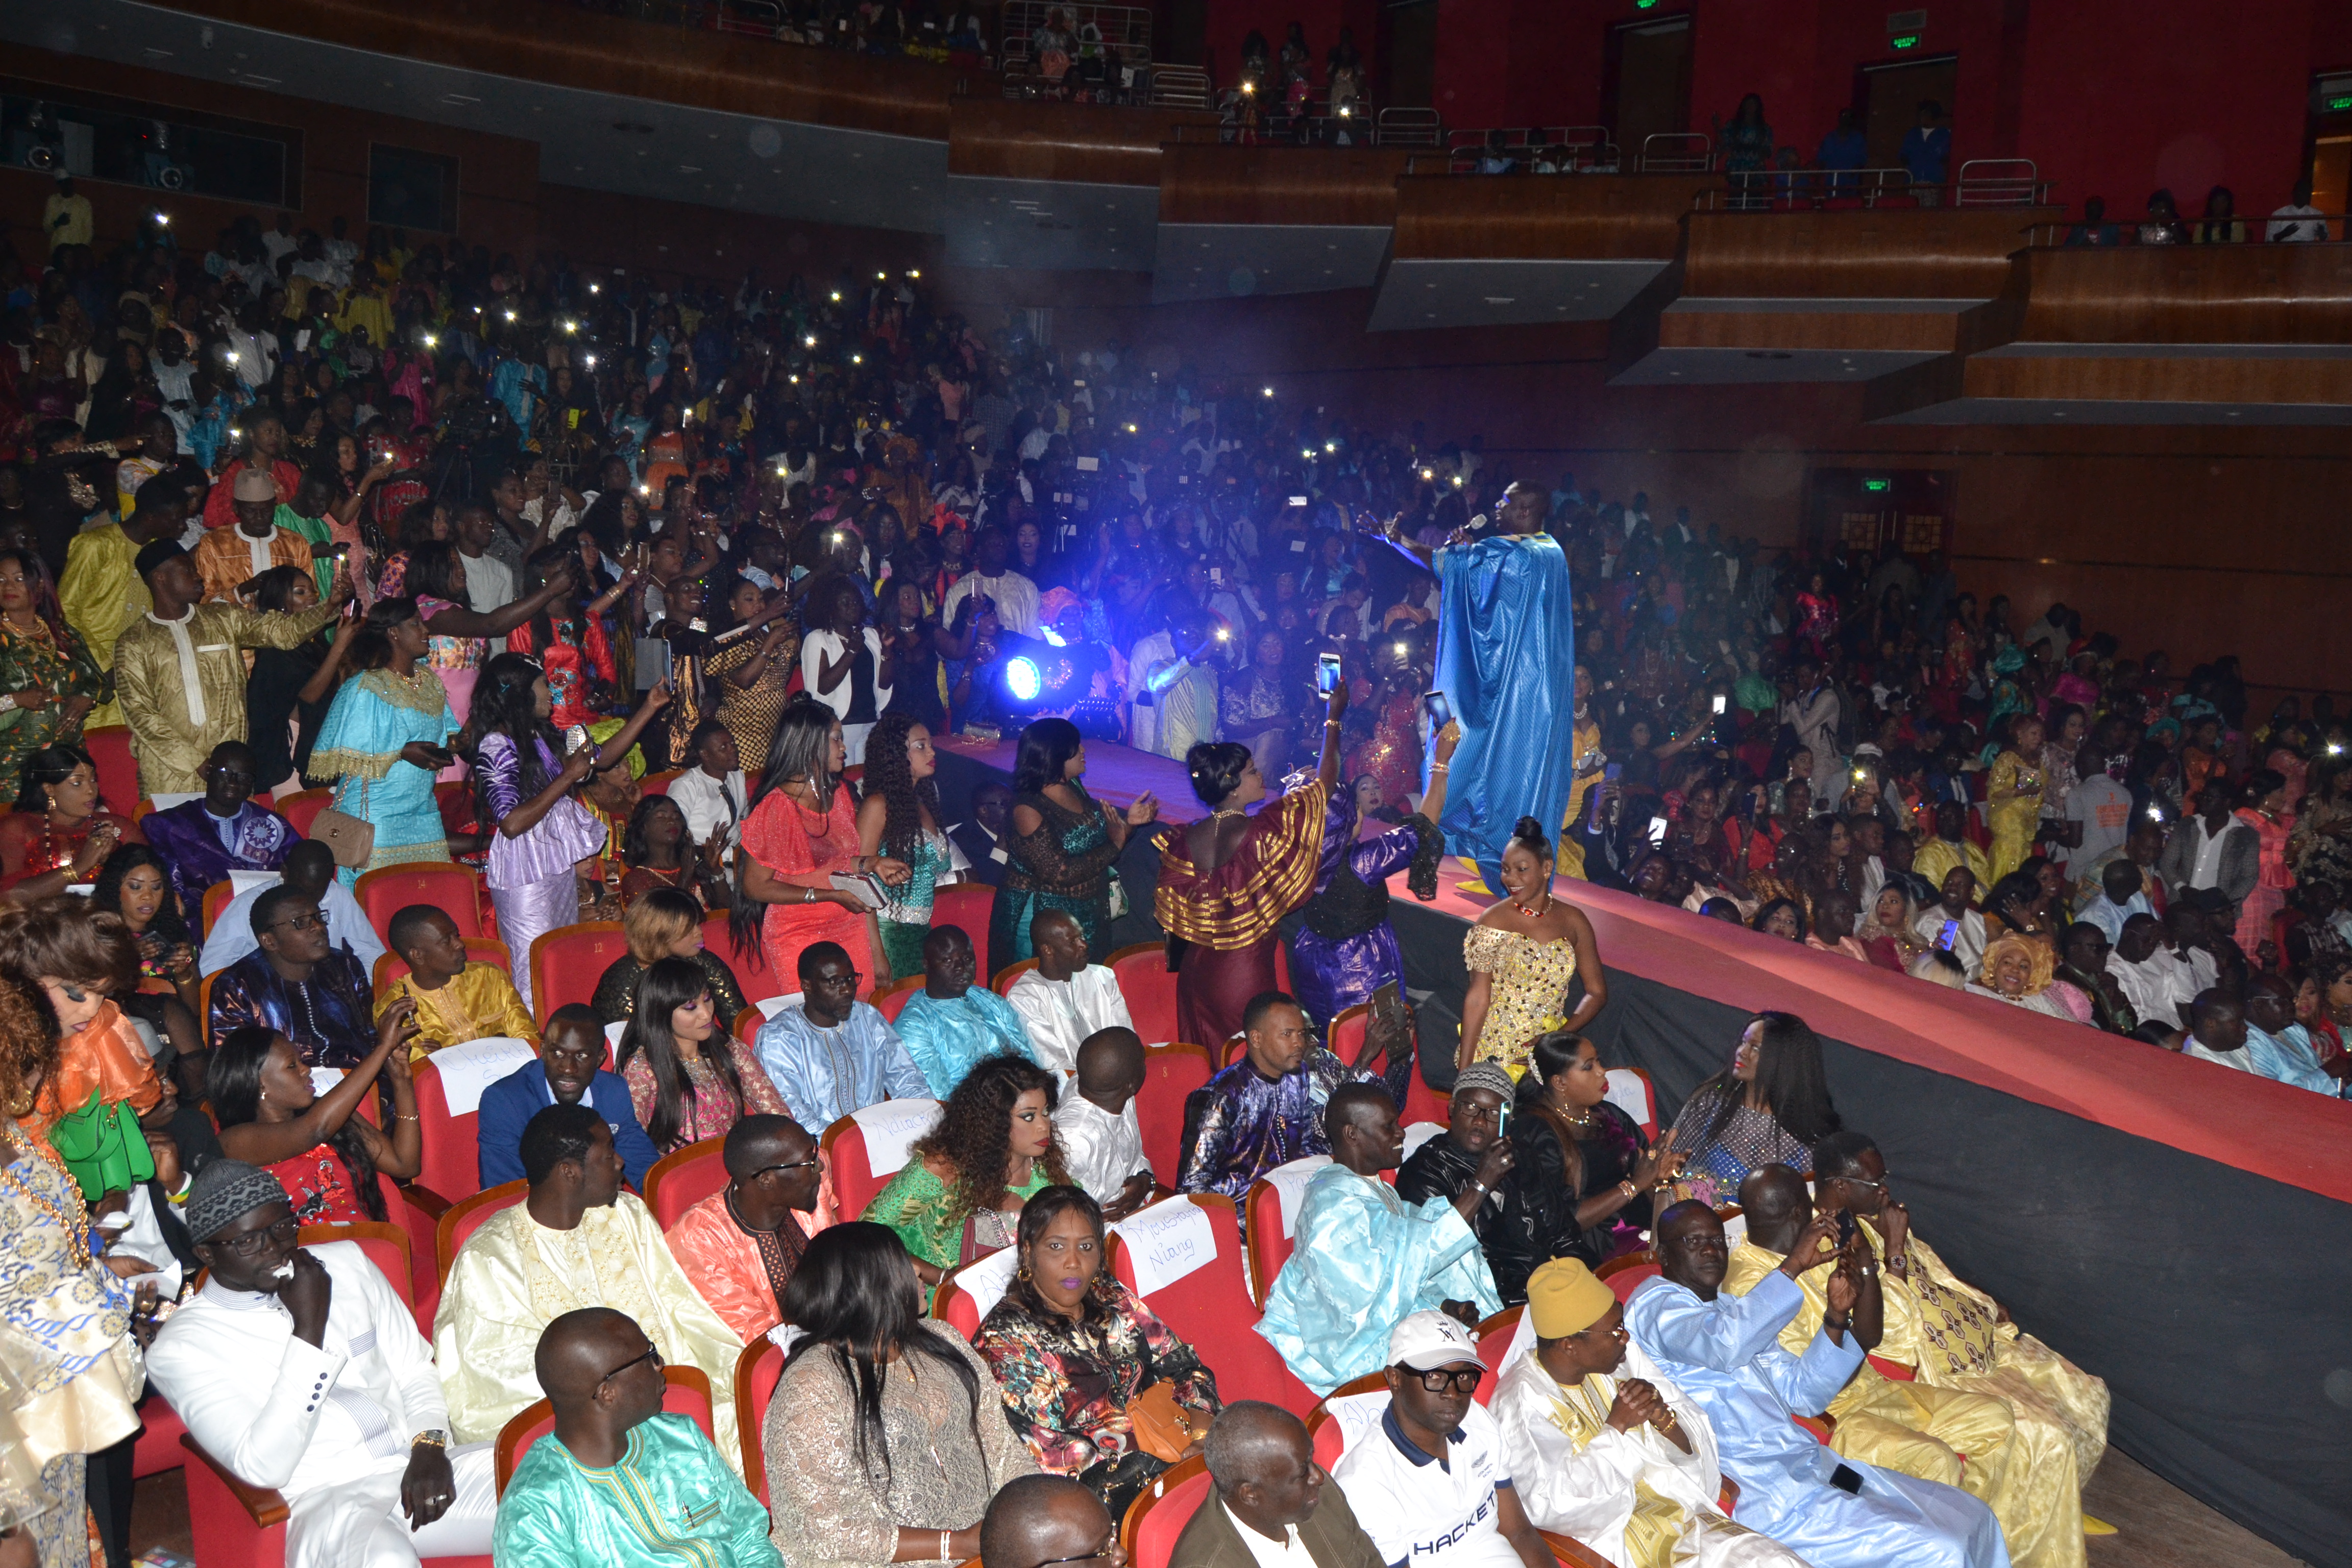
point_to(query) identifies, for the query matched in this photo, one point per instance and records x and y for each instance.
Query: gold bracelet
(396, 1116)
(1330, 723)
(1437, 768)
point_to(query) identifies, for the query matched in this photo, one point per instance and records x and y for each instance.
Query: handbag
(350, 839)
(1162, 1426)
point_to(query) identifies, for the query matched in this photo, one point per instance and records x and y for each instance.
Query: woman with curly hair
(2020, 971)
(1072, 1348)
(899, 818)
(993, 1151)
(70, 1364)
(325, 1154)
(687, 1077)
(543, 833)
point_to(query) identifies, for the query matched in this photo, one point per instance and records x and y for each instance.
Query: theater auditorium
(1436, 784)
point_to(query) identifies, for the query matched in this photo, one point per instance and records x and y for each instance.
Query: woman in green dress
(960, 1194)
(383, 739)
(48, 682)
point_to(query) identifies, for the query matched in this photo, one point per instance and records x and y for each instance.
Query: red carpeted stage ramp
(2182, 1230)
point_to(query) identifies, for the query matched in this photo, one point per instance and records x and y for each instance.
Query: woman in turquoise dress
(383, 739)
(900, 818)
(1062, 847)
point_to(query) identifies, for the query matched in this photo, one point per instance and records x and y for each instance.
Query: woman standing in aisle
(1062, 845)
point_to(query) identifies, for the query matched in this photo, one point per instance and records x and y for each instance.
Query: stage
(2180, 1229)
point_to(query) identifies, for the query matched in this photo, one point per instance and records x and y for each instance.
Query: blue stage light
(1022, 679)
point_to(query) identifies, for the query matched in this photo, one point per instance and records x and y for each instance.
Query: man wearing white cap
(227, 557)
(1429, 1484)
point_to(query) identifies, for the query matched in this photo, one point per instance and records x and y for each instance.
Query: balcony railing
(1122, 32)
(2239, 228)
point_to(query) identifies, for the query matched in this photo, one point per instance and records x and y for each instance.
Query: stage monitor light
(1022, 680)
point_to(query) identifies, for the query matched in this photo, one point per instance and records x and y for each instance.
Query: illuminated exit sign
(1905, 41)
(2337, 105)
(1876, 484)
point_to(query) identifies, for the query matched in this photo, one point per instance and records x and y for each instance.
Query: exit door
(1882, 511)
(1646, 85)
(1892, 95)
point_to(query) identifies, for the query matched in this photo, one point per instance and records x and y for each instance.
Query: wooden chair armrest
(426, 1201)
(263, 1505)
(1573, 1551)
(1728, 1497)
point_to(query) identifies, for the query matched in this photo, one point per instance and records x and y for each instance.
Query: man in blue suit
(571, 1059)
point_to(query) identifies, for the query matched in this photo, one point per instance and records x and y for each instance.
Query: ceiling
(1417, 294)
(1222, 260)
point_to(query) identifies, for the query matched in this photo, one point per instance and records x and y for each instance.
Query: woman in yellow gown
(1522, 954)
(2013, 795)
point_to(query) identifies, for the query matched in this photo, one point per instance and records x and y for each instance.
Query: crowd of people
(478, 546)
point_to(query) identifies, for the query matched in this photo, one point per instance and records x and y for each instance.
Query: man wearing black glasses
(1048, 1521)
(298, 984)
(301, 1368)
(740, 1246)
(619, 1483)
(1428, 1482)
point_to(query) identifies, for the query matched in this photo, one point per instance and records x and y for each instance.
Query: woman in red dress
(271, 1115)
(801, 831)
(59, 834)
(1226, 881)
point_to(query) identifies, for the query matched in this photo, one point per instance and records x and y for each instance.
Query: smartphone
(1845, 1226)
(1657, 832)
(1327, 674)
(1950, 936)
(1216, 576)
(575, 740)
(1298, 501)
(1720, 701)
(1441, 712)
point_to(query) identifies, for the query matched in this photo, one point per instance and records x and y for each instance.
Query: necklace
(1583, 1120)
(76, 1225)
(1538, 913)
(1220, 815)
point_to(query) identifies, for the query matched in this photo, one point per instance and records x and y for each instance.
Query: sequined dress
(1528, 988)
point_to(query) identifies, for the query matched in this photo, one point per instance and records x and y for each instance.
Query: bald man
(1035, 1520)
(618, 1483)
(1365, 1260)
(952, 1023)
(1065, 998)
(1909, 1427)
(1273, 1503)
(740, 1246)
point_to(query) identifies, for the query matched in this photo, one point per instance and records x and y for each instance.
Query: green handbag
(103, 1148)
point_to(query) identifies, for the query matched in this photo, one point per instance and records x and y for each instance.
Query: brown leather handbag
(1163, 1428)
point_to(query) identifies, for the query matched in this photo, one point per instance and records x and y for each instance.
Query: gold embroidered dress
(1528, 988)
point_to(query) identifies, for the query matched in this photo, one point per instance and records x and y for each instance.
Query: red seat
(160, 1431)
(302, 808)
(855, 1182)
(1631, 1092)
(683, 1178)
(756, 1372)
(217, 898)
(751, 971)
(1002, 980)
(1494, 1336)
(686, 1392)
(658, 783)
(387, 1246)
(967, 906)
(464, 1219)
(1623, 1275)
(1269, 1239)
(893, 1002)
(1232, 1051)
(109, 746)
(1210, 1310)
(451, 889)
(1160, 1513)
(566, 962)
(1149, 990)
(233, 1525)
(1170, 1073)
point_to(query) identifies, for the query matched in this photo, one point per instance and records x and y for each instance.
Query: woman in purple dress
(520, 784)
(1347, 949)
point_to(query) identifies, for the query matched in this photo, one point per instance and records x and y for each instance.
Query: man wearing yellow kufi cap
(1602, 1447)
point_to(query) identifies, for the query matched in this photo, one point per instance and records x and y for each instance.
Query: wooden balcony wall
(1600, 217)
(1343, 186)
(550, 41)
(2190, 294)
(1021, 139)
(1892, 254)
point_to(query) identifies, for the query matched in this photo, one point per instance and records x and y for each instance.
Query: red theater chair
(751, 971)
(1149, 989)
(1170, 1073)
(1493, 1342)
(566, 962)
(453, 889)
(1159, 1515)
(109, 746)
(854, 1180)
(1210, 1310)
(302, 808)
(1630, 1090)
(658, 783)
(1621, 1275)
(683, 1178)
(217, 898)
(1004, 977)
(464, 1219)
(233, 1525)
(756, 1371)
(479, 950)
(893, 1002)
(687, 1392)
(966, 905)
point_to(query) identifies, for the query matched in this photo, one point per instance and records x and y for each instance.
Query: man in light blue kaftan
(1507, 663)
(951, 1024)
(1724, 1352)
(1365, 1260)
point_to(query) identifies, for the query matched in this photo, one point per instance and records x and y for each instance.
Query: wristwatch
(437, 1436)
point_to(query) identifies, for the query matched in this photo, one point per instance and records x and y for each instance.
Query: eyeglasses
(301, 923)
(251, 1243)
(1461, 1380)
(239, 775)
(653, 1353)
(1100, 1553)
(794, 1165)
(1862, 1182)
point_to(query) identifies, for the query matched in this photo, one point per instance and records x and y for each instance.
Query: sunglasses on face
(653, 1353)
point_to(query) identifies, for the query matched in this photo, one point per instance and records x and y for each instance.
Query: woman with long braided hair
(899, 818)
